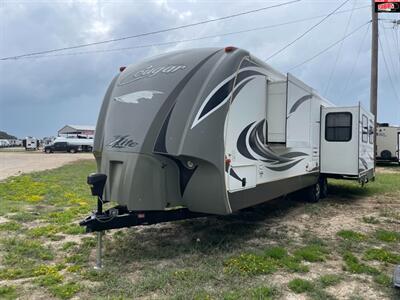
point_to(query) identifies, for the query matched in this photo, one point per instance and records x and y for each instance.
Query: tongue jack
(97, 182)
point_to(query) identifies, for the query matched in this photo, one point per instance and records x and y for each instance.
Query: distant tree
(5, 135)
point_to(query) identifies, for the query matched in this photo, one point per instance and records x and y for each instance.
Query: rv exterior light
(190, 164)
(121, 69)
(230, 49)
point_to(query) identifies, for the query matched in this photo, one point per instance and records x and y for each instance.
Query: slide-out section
(347, 142)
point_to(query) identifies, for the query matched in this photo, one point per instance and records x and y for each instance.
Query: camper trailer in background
(4, 143)
(30, 143)
(388, 143)
(213, 131)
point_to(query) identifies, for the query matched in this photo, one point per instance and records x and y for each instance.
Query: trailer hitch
(121, 217)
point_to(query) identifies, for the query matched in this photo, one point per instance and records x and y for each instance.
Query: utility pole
(374, 73)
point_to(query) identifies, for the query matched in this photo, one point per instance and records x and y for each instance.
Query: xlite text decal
(122, 141)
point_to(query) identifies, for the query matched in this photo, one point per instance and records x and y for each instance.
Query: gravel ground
(16, 163)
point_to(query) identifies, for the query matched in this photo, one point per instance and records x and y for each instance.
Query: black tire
(324, 187)
(386, 155)
(313, 193)
(48, 151)
(72, 150)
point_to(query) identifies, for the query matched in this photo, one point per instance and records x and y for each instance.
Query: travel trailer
(212, 131)
(30, 143)
(388, 143)
(4, 143)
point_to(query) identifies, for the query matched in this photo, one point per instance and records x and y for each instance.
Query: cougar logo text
(150, 71)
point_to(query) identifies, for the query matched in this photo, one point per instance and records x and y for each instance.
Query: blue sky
(40, 95)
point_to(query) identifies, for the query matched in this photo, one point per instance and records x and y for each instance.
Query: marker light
(230, 49)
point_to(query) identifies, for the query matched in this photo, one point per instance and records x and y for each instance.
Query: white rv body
(4, 143)
(30, 143)
(387, 141)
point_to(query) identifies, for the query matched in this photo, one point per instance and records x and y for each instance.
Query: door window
(338, 127)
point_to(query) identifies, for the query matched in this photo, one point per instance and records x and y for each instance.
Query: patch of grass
(74, 269)
(272, 259)
(72, 229)
(49, 279)
(250, 264)
(299, 285)
(370, 220)
(19, 248)
(23, 217)
(68, 245)
(8, 292)
(311, 253)
(262, 292)
(330, 280)
(382, 255)
(383, 279)
(65, 291)
(276, 252)
(10, 226)
(354, 266)
(16, 273)
(387, 236)
(385, 183)
(352, 235)
(43, 231)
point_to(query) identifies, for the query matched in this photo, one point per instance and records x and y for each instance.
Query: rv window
(338, 127)
(371, 132)
(364, 129)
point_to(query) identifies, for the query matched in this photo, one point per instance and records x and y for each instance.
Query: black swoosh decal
(234, 174)
(284, 168)
(241, 143)
(276, 161)
(220, 95)
(160, 144)
(299, 102)
(294, 154)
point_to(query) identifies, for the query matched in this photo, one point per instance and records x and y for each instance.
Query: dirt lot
(343, 247)
(17, 162)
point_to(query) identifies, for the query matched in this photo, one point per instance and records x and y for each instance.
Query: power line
(180, 41)
(387, 69)
(392, 64)
(355, 61)
(338, 53)
(304, 33)
(152, 32)
(329, 47)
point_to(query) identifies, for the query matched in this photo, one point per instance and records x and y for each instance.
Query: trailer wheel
(314, 193)
(72, 150)
(386, 155)
(324, 187)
